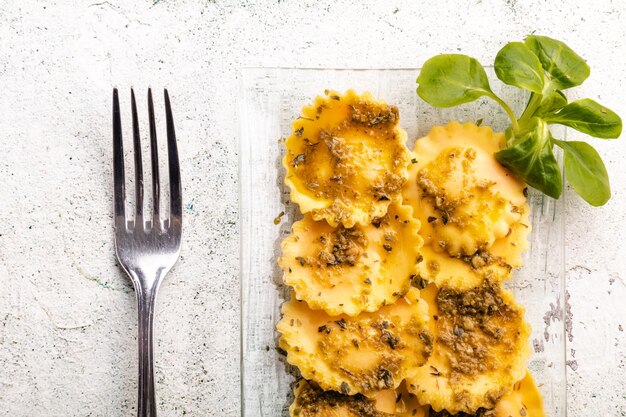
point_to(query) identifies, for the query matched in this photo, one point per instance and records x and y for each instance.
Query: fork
(148, 246)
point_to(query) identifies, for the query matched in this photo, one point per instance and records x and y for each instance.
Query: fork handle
(146, 301)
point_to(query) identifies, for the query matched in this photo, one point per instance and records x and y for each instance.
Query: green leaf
(517, 65)
(552, 103)
(565, 67)
(451, 79)
(588, 117)
(530, 157)
(586, 172)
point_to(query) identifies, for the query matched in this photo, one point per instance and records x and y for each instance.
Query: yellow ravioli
(351, 270)
(311, 401)
(362, 354)
(473, 211)
(464, 197)
(479, 351)
(346, 158)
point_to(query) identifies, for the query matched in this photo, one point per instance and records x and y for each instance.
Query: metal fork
(147, 247)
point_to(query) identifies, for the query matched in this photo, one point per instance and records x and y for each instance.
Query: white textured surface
(67, 315)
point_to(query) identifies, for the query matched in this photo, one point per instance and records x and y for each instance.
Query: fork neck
(146, 280)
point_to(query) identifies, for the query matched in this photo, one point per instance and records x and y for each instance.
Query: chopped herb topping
(390, 339)
(298, 160)
(341, 323)
(279, 217)
(345, 388)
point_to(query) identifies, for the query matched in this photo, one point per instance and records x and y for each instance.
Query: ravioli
(346, 159)
(362, 354)
(311, 401)
(473, 211)
(350, 270)
(479, 351)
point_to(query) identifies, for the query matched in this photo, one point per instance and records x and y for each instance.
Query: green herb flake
(278, 218)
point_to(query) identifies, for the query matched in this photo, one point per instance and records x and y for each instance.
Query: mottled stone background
(67, 314)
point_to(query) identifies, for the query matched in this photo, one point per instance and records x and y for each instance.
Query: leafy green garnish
(565, 67)
(588, 117)
(462, 78)
(517, 65)
(530, 157)
(544, 67)
(585, 171)
(551, 103)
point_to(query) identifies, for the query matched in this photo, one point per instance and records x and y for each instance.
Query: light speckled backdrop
(67, 313)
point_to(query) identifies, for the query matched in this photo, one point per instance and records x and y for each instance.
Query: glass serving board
(270, 99)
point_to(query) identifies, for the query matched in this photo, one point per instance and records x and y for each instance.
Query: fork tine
(176, 201)
(154, 153)
(138, 164)
(119, 193)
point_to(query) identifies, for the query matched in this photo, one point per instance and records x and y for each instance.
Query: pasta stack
(396, 268)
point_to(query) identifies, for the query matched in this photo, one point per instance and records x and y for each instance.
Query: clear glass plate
(270, 99)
